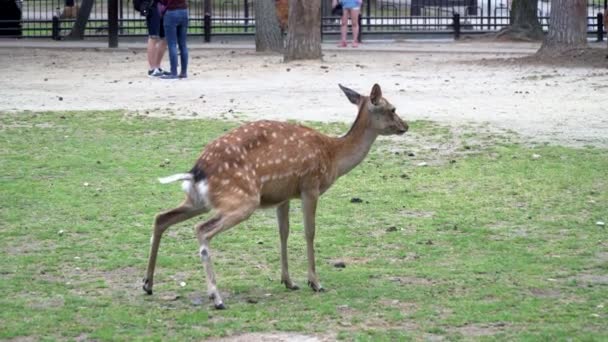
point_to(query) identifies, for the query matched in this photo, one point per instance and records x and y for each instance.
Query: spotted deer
(267, 164)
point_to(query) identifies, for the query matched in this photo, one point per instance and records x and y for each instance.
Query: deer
(266, 164)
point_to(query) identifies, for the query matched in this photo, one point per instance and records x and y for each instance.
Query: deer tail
(176, 177)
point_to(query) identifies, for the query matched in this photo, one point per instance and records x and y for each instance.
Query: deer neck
(352, 148)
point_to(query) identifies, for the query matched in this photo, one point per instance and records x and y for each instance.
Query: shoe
(182, 76)
(342, 44)
(164, 72)
(355, 44)
(168, 77)
(155, 73)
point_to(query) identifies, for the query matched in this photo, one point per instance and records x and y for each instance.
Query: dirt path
(566, 105)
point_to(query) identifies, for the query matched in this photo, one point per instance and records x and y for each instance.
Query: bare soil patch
(452, 84)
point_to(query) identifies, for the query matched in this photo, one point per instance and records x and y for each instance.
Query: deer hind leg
(283, 218)
(224, 220)
(309, 208)
(163, 221)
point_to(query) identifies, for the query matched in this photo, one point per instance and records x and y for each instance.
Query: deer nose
(404, 127)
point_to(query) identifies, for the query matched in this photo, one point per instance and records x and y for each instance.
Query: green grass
(488, 242)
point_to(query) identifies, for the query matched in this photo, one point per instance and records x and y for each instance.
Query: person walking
(176, 27)
(350, 8)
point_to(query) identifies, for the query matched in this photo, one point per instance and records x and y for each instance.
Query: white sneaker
(155, 73)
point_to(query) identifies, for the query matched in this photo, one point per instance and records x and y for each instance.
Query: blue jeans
(176, 28)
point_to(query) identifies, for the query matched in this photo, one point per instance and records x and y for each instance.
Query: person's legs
(154, 30)
(354, 17)
(152, 51)
(343, 27)
(170, 24)
(161, 48)
(161, 45)
(182, 35)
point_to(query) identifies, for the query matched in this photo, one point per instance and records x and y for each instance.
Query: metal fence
(237, 17)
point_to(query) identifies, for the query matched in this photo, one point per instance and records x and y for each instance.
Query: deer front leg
(283, 218)
(309, 207)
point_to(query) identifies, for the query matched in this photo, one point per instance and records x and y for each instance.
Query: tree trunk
(268, 35)
(304, 30)
(524, 22)
(82, 19)
(567, 27)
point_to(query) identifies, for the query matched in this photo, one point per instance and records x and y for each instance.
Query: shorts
(351, 4)
(155, 24)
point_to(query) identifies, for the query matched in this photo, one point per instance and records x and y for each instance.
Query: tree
(304, 30)
(567, 27)
(80, 24)
(524, 22)
(268, 35)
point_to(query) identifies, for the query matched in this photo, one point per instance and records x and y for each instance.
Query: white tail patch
(175, 178)
(199, 193)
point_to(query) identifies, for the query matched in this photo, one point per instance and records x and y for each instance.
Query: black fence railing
(34, 18)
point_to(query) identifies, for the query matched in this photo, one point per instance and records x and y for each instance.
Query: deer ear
(352, 95)
(376, 94)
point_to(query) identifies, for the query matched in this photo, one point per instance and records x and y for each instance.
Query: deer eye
(393, 110)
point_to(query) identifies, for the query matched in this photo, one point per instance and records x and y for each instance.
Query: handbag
(337, 10)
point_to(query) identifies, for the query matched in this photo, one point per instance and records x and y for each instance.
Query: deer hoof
(316, 287)
(289, 285)
(147, 287)
(220, 306)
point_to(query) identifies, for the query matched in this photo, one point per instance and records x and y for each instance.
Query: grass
(494, 239)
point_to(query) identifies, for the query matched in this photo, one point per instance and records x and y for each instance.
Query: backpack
(143, 6)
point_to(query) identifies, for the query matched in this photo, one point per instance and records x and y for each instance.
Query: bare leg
(343, 28)
(283, 218)
(206, 231)
(152, 52)
(161, 47)
(355, 23)
(309, 207)
(161, 223)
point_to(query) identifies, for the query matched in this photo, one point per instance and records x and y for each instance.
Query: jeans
(176, 28)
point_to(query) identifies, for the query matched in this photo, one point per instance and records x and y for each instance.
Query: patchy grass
(493, 239)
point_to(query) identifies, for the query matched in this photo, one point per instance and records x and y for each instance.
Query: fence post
(360, 28)
(55, 27)
(600, 27)
(246, 15)
(490, 15)
(456, 24)
(369, 14)
(112, 23)
(207, 20)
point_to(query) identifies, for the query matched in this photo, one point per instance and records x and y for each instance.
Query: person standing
(176, 29)
(350, 8)
(157, 45)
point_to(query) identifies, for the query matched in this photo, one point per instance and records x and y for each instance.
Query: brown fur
(268, 163)
(69, 12)
(282, 7)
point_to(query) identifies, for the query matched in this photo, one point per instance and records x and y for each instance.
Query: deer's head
(382, 114)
